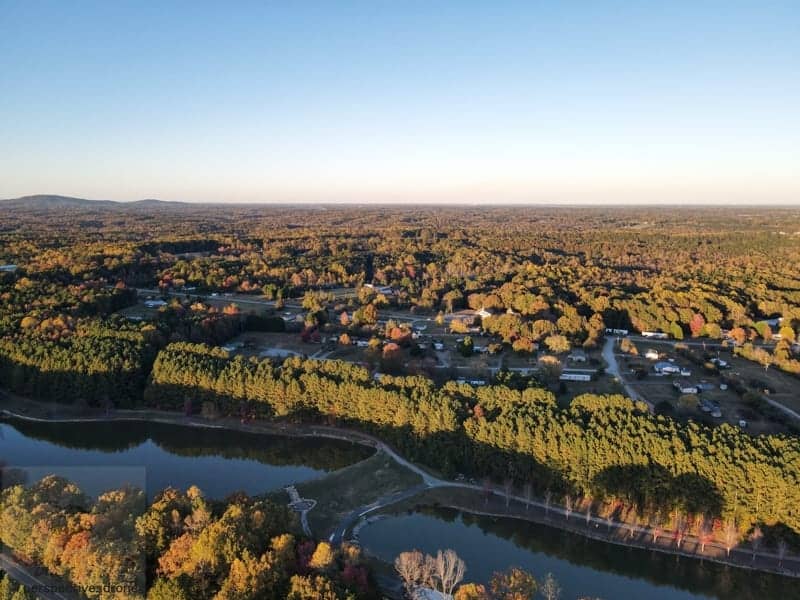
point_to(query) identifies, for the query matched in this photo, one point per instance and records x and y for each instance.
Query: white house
(386, 290)
(575, 377)
(658, 335)
(622, 332)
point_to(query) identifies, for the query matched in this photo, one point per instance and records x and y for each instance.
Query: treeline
(97, 366)
(602, 446)
(90, 544)
(405, 409)
(182, 547)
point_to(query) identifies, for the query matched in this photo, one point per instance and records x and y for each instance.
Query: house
(483, 313)
(666, 368)
(657, 335)
(684, 387)
(621, 332)
(773, 323)
(386, 290)
(577, 356)
(651, 354)
(466, 316)
(573, 376)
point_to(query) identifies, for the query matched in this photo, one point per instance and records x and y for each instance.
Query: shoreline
(714, 551)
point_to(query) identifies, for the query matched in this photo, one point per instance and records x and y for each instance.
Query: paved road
(22, 574)
(612, 368)
(353, 516)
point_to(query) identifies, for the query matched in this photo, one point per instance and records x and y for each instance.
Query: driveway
(612, 368)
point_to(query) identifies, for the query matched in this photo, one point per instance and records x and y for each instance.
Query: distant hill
(50, 201)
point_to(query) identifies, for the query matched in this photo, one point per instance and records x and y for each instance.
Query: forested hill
(52, 201)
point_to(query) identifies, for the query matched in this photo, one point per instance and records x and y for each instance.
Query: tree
(696, 324)
(755, 540)
(169, 589)
(448, 571)
(557, 343)
(409, 566)
(527, 490)
(549, 368)
(323, 557)
(310, 587)
(787, 333)
(471, 591)
(738, 335)
(550, 588)
(467, 347)
(704, 535)
(513, 584)
(731, 535)
(782, 548)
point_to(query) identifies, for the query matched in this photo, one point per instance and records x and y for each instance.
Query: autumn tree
(513, 584)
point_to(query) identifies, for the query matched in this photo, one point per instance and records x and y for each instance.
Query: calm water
(582, 567)
(99, 456)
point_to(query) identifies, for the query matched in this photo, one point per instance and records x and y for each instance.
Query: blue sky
(400, 101)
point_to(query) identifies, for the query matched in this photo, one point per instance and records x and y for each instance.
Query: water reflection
(583, 567)
(218, 461)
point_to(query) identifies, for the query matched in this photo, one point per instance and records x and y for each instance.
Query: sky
(402, 101)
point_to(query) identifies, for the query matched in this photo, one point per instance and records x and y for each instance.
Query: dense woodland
(180, 547)
(603, 447)
(559, 274)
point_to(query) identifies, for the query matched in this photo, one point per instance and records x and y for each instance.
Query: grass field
(339, 493)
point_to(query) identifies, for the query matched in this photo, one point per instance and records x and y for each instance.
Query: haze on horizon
(615, 102)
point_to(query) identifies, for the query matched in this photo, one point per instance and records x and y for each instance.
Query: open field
(253, 343)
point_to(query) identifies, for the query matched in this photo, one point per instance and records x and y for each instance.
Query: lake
(152, 456)
(100, 456)
(583, 567)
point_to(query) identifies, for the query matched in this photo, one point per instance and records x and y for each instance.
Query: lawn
(357, 485)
